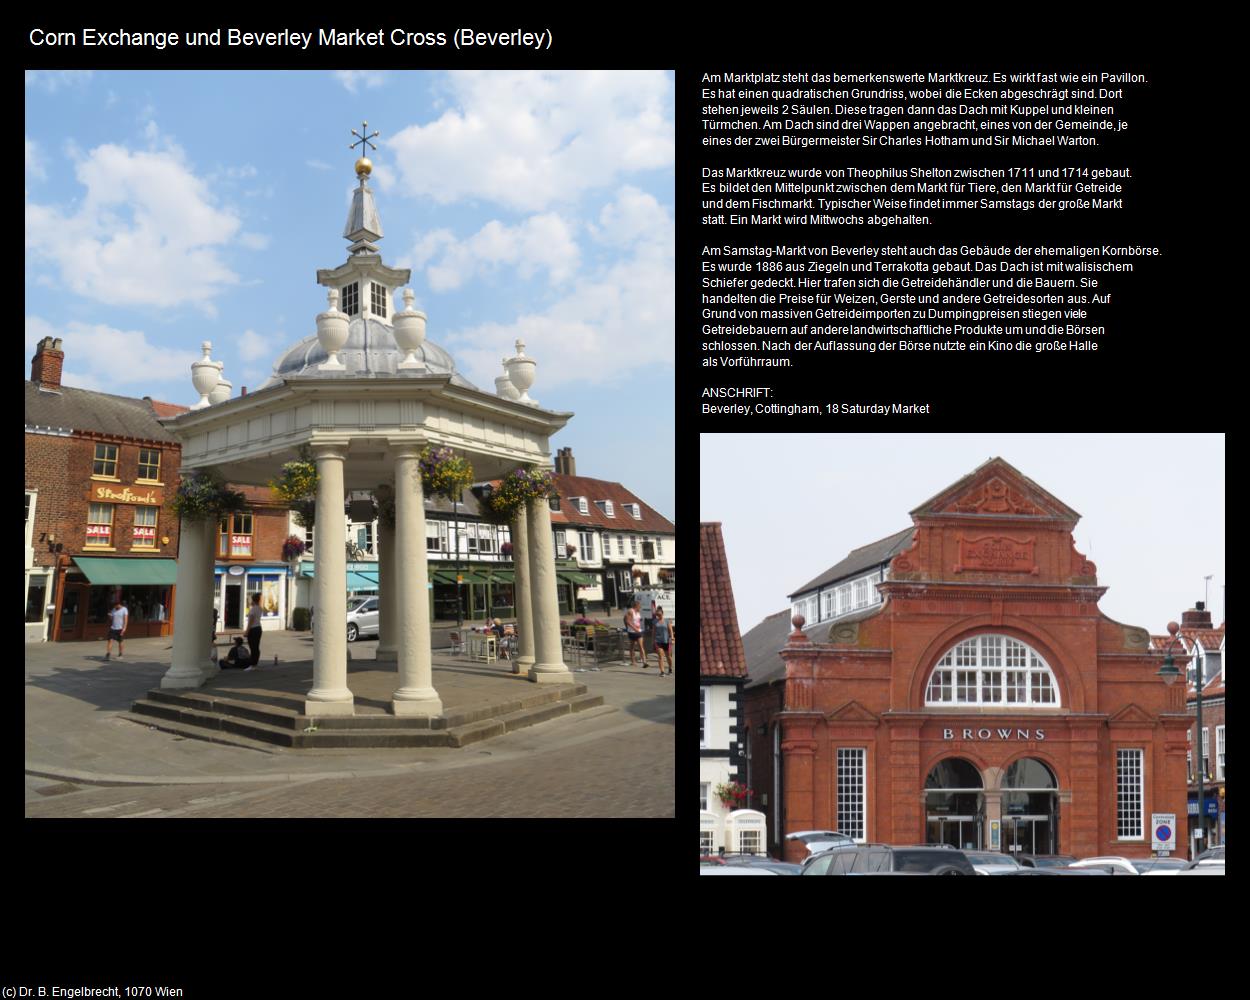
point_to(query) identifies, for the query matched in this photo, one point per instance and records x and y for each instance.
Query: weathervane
(363, 165)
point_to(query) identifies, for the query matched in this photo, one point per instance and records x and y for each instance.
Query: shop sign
(996, 554)
(236, 571)
(995, 734)
(1212, 806)
(107, 494)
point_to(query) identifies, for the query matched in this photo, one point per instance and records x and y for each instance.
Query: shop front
(90, 585)
(986, 702)
(235, 584)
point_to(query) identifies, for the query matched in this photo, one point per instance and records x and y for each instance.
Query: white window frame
(1126, 785)
(997, 664)
(620, 545)
(703, 716)
(1219, 753)
(861, 593)
(705, 794)
(586, 545)
(582, 506)
(852, 789)
(844, 599)
(634, 510)
(707, 842)
(1206, 753)
(606, 507)
(111, 522)
(753, 836)
(32, 497)
(633, 545)
(826, 604)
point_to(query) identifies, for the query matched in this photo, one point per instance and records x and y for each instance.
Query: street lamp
(1169, 673)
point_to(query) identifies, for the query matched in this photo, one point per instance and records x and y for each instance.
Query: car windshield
(355, 602)
(1052, 862)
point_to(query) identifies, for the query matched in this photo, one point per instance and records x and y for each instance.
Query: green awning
(128, 572)
(582, 579)
(362, 579)
(501, 575)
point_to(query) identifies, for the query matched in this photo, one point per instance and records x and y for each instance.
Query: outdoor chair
(457, 643)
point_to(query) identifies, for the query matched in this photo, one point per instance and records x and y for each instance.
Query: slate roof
(760, 646)
(720, 644)
(865, 557)
(96, 412)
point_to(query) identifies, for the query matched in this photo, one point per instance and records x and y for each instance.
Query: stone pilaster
(415, 694)
(387, 651)
(330, 694)
(193, 617)
(548, 665)
(524, 596)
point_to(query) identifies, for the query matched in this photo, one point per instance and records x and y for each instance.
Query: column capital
(329, 449)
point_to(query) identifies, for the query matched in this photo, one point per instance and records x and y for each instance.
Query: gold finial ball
(364, 166)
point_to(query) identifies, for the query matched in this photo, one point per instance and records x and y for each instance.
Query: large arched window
(992, 670)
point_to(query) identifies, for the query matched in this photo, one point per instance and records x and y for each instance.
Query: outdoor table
(481, 646)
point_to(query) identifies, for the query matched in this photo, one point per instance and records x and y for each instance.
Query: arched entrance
(954, 804)
(1030, 803)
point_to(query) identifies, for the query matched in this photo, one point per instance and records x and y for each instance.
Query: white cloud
(354, 79)
(540, 243)
(318, 165)
(254, 241)
(528, 140)
(53, 80)
(146, 232)
(616, 321)
(253, 347)
(102, 357)
(34, 165)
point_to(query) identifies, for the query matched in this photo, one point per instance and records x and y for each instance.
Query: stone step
(202, 701)
(532, 716)
(197, 732)
(213, 722)
(522, 703)
(581, 702)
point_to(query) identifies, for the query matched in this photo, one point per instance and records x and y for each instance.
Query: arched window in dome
(992, 670)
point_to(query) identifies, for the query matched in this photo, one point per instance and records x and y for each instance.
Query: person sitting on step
(239, 656)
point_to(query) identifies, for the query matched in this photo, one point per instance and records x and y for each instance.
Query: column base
(416, 701)
(390, 655)
(550, 673)
(330, 703)
(522, 664)
(177, 677)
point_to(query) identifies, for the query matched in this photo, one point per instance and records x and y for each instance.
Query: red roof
(720, 643)
(602, 489)
(167, 409)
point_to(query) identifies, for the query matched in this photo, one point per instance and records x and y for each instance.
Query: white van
(656, 598)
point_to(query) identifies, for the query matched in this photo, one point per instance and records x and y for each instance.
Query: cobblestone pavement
(615, 761)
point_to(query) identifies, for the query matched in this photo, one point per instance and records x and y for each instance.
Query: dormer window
(582, 506)
(351, 299)
(606, 507)
(635, 510)
(377, 297)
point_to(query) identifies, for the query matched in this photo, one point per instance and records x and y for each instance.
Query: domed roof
(370, 351)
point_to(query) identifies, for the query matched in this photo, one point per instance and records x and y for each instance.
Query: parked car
(1056, 871)
(1116, 865)
(1045, 860)
(1203, 868)
(362, 617)
(762, 861)
(820, 840)
(734, 870)
(1159, 866)
(991, 862)
(1212, 854)
(873, 858)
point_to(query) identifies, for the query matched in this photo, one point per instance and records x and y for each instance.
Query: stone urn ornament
(332, 333)
(520, 370)
(205, 374)
(409, 327)
(505, 388)
(221, 391)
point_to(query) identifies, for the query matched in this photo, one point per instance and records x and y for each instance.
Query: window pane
(149, 463)
(851, 792)
(105, 460)
(992, 686)
(1129, 793)
(351, 299)
(965, 685)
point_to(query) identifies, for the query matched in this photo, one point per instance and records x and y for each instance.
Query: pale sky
(793, 505)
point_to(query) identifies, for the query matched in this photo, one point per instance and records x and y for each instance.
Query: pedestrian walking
(253, 629)
(663, 639)
(118, 619)
(633, 633)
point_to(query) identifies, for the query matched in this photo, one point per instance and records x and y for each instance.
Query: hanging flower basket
(515, 491)
(204, 496)
(733, 795)
(293, 548)
(297, 487)
(444, 473)
(384, 501)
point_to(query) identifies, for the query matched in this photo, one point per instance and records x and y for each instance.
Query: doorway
(1028, 835)
(1030, 808)
(954, 804)
(234, 605)
(963, 832)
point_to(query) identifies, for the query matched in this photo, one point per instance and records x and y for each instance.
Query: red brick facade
(993, 555)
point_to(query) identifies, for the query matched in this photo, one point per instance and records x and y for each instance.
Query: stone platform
(264, 707)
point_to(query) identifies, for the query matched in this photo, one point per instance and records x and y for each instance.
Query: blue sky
(167, 208)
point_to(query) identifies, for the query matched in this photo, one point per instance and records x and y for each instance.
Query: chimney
(45, 369)
(1196, 617)
(565, 464)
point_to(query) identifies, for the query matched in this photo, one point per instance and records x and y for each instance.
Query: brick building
(249, 560)
(983, 701)
(100, 474)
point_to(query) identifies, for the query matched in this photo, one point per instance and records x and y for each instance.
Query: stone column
(329, 694)
(548, 665)
(523, 595)
(193, 624)
(415, 694)
(387, 605)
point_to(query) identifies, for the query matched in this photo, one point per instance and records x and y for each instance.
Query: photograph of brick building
(978, 698)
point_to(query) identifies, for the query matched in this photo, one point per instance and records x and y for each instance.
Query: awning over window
(128, 572)
(581, 579)
(359, 579)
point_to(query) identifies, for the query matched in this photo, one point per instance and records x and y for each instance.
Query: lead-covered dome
(370, 351)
